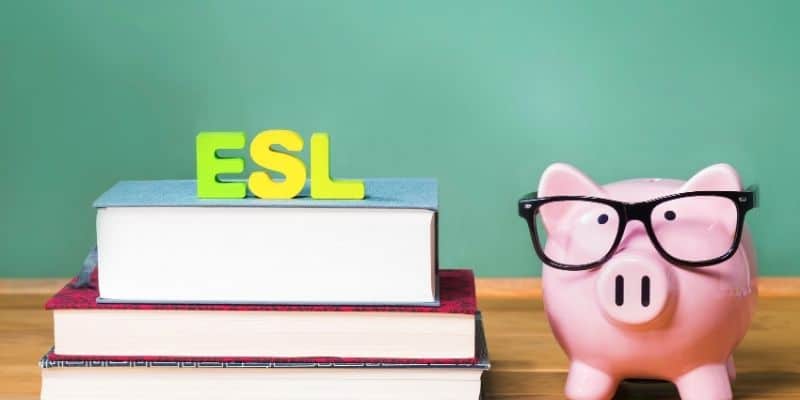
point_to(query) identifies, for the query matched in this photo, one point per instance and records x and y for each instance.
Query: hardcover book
(83, 327)
(159, 243)
(289, 379)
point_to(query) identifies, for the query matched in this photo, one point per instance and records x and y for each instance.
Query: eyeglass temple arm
(529, 196)
(523, 206)
(754, 193)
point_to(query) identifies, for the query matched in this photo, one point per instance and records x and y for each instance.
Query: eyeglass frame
(744, 201)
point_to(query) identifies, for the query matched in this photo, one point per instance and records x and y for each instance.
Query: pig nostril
(619, 290)
(645, 291)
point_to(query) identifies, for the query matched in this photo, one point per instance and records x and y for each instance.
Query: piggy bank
(645, 278)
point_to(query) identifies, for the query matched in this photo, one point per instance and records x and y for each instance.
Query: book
(379, 379)
(159, 243)
(84, 327)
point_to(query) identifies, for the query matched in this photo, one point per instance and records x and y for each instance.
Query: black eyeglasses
(691, 229)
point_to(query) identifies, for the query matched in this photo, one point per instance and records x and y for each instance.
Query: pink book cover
(456, 291)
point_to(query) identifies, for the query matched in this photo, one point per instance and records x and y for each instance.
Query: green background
(482, 95)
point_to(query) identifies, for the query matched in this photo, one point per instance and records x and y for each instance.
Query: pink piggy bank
(645, 278)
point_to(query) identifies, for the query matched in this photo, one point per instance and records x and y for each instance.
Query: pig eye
(602, 219)
(670, 215)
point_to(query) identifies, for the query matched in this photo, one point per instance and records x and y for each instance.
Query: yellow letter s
(262, 153)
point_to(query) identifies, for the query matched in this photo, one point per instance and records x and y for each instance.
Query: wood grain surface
(526, 361)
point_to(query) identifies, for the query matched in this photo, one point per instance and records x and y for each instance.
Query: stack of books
(262, 299)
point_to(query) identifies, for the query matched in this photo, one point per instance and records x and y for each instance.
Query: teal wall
(482, 95)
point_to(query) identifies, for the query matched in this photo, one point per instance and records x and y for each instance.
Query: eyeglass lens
(695, 228)
(576, 232)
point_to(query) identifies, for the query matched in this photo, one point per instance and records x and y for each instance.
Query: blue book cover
(413, 193)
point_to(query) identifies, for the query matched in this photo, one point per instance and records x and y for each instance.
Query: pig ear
(715, 177)
(563, 180)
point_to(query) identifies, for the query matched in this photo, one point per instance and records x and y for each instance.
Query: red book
(85, 329)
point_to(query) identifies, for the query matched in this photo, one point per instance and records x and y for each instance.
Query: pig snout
(634, 289)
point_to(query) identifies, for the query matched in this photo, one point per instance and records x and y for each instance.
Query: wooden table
(526, 361)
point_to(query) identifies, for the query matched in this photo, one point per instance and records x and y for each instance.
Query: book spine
(46, 362)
